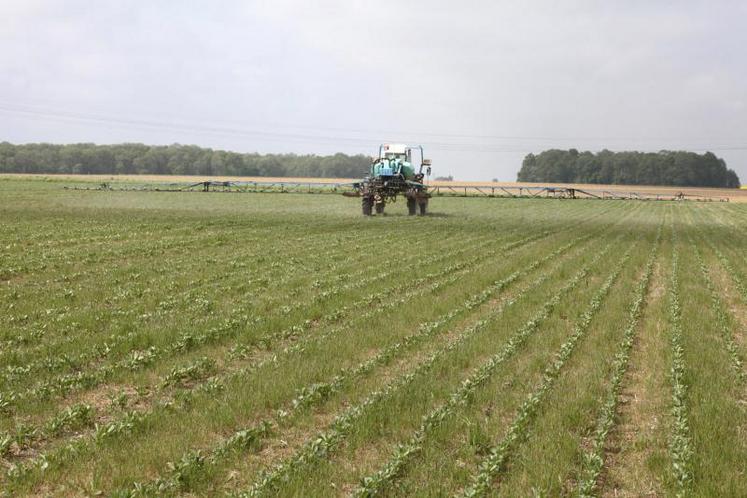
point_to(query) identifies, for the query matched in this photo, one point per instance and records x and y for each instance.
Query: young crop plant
(499, 454)
(375, 484)
(680, 445)
(72, 418)
(186, 341)
(324, 443)
(318, 392)
(593, 459)
(198, 370)
(133, 420)
(68, 383)
(723, 322)
(203, 345)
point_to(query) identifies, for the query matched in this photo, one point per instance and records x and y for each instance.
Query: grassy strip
(215, 382)
(325, 442)
(593, 459)
(68, 383)
(55, 361)
(499, 454)
(680, 446)
(316, 393)
(378, 482)
(131, 421)
(722, 319)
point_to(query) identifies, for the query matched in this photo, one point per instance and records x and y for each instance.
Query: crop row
(324, 443)
(70, 419)
(731, 270)
(499, 454)
(376, 483)
(191, 295)
(722, 319)
(187, 341)
(132, 418)
(64, 320)
(161, 236)
(105, 250)
(195, 371)
(593, 459)
(131, 421)
(302, 246)
(167, 270)
(318, 392)
(680, 446)
(108, 346)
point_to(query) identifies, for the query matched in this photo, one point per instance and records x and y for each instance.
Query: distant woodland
(678, 168)
(135, 159)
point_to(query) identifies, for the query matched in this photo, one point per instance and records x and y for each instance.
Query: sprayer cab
(395, 160)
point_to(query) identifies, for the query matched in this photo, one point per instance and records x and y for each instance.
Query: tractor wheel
(412, 206)
(423, 206)
(367, 204)
(380, 208)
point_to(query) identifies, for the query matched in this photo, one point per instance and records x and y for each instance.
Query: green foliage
(200, 369)
(71, 418)
(283, 345)
(176, 159)
(594, 457)
(676, 168)
(520, 427)
(680, 444)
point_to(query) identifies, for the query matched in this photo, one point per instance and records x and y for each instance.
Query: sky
(478, 84)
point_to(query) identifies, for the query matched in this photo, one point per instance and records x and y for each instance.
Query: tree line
(136, 159)
(677, 168)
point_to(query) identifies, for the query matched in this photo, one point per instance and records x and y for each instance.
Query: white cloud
(635, 74)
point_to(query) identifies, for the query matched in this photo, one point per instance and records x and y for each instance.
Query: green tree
(678, 168)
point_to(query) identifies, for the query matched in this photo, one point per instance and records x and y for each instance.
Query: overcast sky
(479, 84)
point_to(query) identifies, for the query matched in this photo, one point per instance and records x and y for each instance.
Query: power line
(263, 135)
(147, 124)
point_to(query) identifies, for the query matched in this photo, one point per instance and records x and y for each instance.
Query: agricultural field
(92, 181)
(163, 344)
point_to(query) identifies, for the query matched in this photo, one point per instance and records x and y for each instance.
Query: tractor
(392, 173)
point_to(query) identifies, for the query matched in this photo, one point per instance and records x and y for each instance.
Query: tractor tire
(412, 206)
(380, 208)
(367, 205)
(423, 207)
